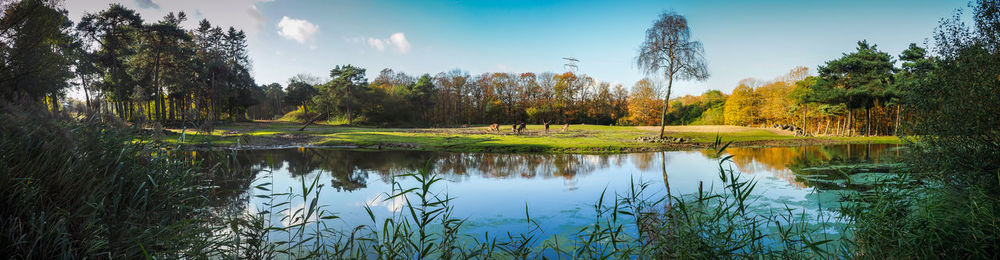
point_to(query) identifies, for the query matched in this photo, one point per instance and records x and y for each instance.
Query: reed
(77, 189)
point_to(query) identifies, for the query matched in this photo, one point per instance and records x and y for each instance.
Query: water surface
(493, 190)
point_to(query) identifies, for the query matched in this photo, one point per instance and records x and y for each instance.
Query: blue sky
(761, 39)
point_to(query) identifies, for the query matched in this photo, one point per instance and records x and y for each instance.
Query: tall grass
(724, 223)
(76, 189)
(905, 219)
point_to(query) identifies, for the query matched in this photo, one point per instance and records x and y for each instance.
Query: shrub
(77, 189)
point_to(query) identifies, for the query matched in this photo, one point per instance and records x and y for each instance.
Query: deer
(520, 128)
(565, 127)
(546, 123)
(493, 127)
(513, 128)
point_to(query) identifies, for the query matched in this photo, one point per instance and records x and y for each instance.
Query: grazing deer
(520, 128)
(565, 127)
(493, 127)
(546, 126)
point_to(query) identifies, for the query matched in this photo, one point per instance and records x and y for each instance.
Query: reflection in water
(492, 189)
(350, 170)
(784, 162)
(394, 205)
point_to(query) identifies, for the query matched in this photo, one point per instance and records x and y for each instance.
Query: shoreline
(580, 139)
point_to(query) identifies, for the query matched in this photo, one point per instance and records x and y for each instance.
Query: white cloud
(257, 16)
(296, 29)
(394, 205)
(396, 40)
(296, 215)
(399, 40)
(378, 44)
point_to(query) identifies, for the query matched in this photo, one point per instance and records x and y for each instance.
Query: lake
(492, 191)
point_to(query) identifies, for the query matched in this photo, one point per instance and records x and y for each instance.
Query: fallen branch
(311, 121)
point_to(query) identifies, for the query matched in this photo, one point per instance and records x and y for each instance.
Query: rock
(664, 140)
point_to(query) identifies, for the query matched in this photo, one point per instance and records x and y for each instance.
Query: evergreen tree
(860, 79)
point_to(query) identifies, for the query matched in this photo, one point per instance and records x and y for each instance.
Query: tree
(84, 68)
(300, 93)
(644, 102)
(957, 105)
(775, 96)
(422, 95)
(273, 96)
(669, 49)
(916, 68)
(567, 85)
(860, 79)
(343, 86)
(454, 86)
(743, 106)
(114, 30)
(704, 109)
(35, 41)
(801, 96)
(161, 49)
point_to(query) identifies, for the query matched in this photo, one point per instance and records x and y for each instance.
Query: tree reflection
(788, 163)
(349, 170)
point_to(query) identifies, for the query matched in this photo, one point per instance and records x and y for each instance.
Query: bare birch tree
(669, 49)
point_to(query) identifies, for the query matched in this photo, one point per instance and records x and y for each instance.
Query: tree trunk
(86, 94)
(868, 121)
(895, 130)
(850, 122)
(173, 107)
(666, 105)
(666, 182)
(156, 87)
(310, 121)
(804, 114)
(182, 108)
(837, 130)
(350, 121)
(55, 103)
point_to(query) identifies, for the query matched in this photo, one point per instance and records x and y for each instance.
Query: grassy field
(578, 139)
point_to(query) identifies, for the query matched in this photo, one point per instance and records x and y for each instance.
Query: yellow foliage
(742, 106)
(756, 102)
(644, 104)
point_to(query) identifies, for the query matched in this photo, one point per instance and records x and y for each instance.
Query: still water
(492, 191)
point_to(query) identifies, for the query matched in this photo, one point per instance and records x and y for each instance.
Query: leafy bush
(77, 189)
(298, 116)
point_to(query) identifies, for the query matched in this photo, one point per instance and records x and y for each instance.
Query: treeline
(456, 97)
(860, 93)
(139, 70)
(161, 72)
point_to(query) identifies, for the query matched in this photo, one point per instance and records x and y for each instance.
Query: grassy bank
(578, 139)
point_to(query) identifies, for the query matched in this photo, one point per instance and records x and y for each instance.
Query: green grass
(592, 139)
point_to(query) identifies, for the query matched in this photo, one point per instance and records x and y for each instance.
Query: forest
(86, 178)
(159, 72)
